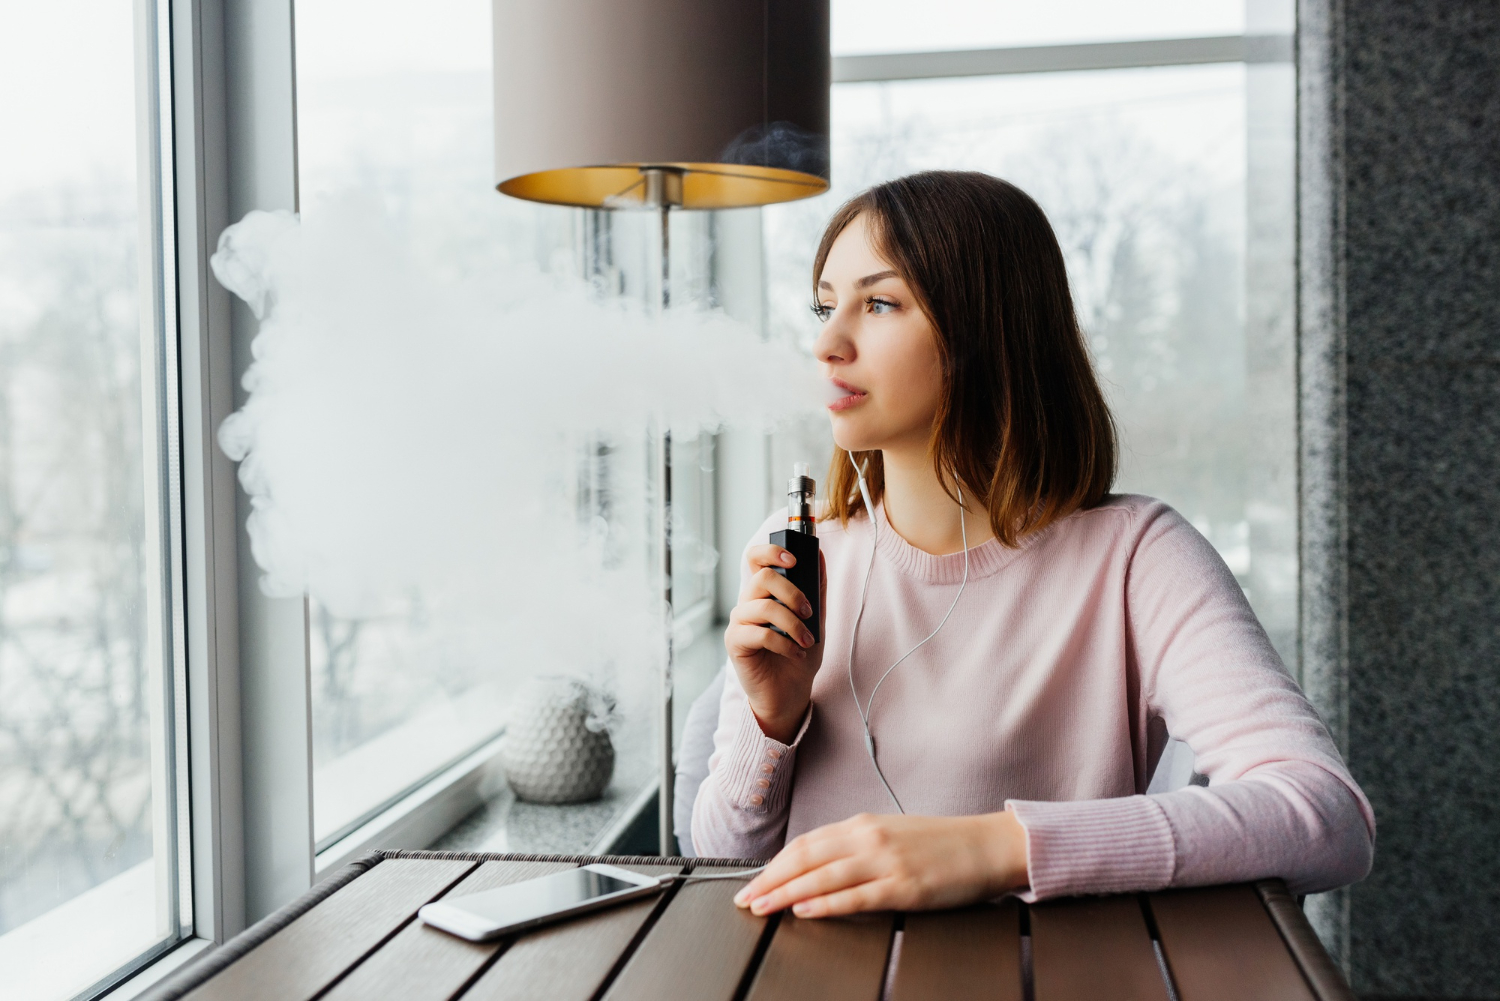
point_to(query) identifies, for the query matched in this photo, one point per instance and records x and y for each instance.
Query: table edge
(217, 959)
(1318, 968)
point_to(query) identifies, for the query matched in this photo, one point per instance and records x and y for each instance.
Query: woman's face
(877, 348)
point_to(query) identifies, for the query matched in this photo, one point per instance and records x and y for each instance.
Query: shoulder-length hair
(1021, 422)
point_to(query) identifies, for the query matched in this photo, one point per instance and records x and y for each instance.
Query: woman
(1075, 629)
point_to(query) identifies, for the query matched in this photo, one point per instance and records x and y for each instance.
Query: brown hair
(1021, 421)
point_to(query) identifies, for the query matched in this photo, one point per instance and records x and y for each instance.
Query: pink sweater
(1051, 692)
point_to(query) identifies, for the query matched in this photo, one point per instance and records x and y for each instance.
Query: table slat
(698, 949)
(830, 959)
(568, 961)
(954, 955)
(1093, 947)
(422, 962)
(308, 954)
(1221, 944)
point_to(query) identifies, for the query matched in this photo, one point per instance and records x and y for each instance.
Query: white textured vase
(557, 747)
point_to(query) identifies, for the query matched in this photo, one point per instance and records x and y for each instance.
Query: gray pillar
(1400, 366)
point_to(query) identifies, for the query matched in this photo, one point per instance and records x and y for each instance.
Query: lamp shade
(730, 95)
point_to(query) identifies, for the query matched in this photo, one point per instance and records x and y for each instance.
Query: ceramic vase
(557, 747)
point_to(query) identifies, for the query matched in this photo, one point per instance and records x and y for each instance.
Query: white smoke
(405, 435)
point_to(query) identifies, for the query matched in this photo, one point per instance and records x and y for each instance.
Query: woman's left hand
(892, 862)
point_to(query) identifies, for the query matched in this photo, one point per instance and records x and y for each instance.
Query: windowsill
(506, 824)
(424, 815)
(159, 970)
(614, 823)
(502, 823)
(391, 766)
(469, 807)
(66, 949)
(51, 955)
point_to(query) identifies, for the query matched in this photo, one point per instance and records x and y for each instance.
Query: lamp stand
(663, 191)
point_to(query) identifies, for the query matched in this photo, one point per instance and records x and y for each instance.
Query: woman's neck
(920, 510)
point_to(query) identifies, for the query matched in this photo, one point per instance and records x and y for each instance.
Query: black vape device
(800, 538)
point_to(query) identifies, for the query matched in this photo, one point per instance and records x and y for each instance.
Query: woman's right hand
(776, 672)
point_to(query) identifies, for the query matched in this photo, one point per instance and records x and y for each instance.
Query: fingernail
(802, 910)
(741, 897)
(806, 609)
(760, 906)
(788, 559)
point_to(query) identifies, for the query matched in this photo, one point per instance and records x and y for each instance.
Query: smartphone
(479, 917)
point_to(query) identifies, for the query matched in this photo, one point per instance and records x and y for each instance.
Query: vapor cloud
(405, 435)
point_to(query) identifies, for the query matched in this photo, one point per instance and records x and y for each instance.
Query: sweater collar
(984, 560)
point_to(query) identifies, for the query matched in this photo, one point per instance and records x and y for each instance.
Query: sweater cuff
(1095, 846)
(756, 772)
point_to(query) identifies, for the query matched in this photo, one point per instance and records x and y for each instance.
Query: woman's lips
(845, 395)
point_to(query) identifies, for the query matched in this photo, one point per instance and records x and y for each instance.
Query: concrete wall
(1399, 343)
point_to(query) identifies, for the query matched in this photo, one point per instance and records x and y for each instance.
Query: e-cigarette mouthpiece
(801, 491)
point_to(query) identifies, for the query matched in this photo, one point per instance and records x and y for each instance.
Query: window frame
(162, 473)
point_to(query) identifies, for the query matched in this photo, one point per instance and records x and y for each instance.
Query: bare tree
(74, 762)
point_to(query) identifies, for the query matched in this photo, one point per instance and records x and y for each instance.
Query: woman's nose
(834, 345)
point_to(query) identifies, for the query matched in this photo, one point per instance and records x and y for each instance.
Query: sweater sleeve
(742, 806)
(1279, 802)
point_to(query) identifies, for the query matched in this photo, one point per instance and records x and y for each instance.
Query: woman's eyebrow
(869, 280)
(864, 282)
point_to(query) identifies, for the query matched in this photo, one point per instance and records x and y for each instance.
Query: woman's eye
(822, 311)
(880, 306)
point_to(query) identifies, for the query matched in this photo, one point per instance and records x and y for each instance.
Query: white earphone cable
(864, 711)
(695, 877)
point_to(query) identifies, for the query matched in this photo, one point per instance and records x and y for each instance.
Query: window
(1182, 278)
(92, 865)
(396, 107)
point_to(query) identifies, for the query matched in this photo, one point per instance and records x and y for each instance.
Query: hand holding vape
(800, 538)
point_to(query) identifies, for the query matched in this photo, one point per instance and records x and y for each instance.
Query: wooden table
(355, 935)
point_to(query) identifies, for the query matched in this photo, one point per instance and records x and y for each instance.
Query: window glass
(1143, 174)
(88, 864)
(869, 26)
(393, 102)
(394, 107)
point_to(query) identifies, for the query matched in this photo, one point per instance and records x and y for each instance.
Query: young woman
(1067, 630)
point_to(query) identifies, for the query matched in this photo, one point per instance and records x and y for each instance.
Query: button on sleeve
(756, 773)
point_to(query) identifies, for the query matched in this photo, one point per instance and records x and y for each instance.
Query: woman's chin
(852, 442)
(851, 433)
